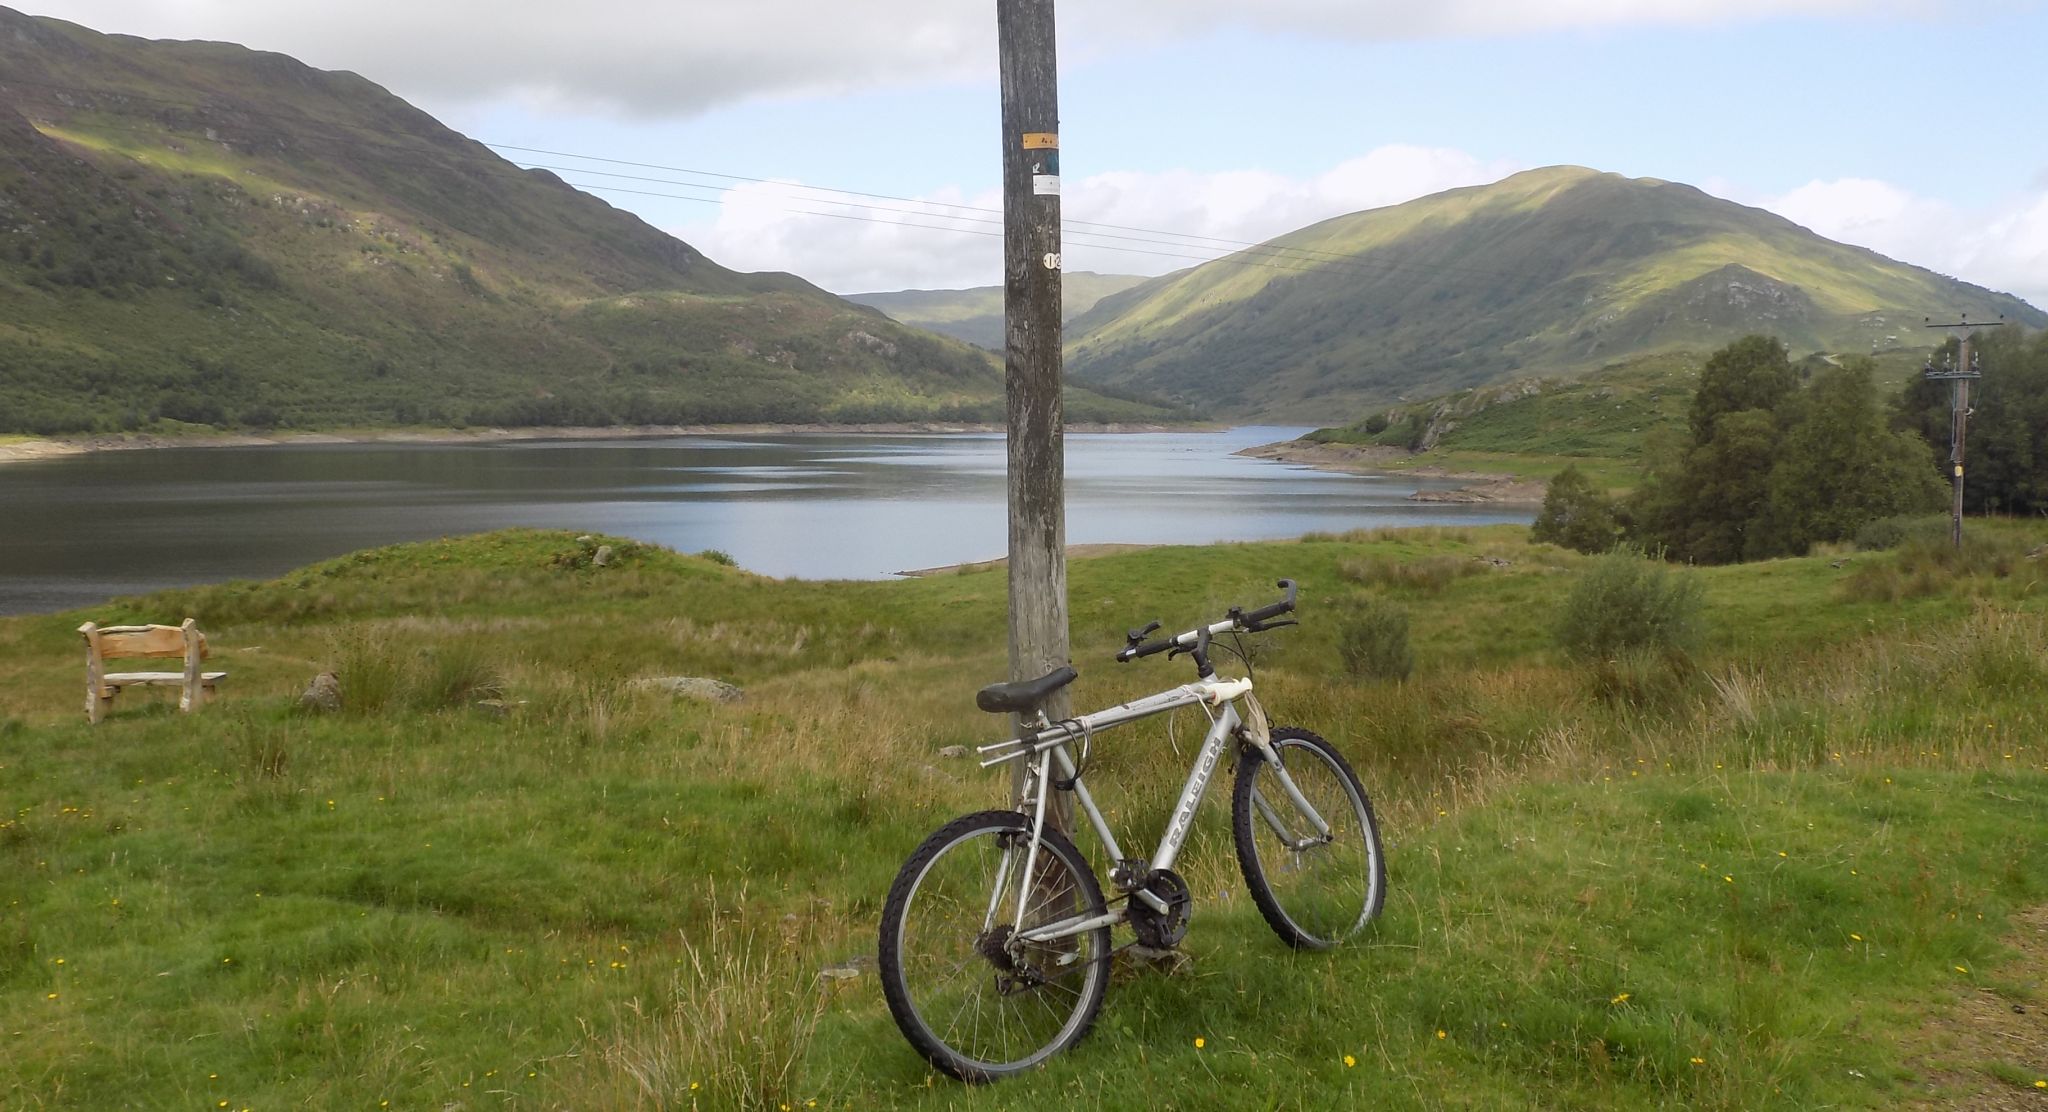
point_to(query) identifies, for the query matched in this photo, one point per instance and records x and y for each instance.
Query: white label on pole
(1052, 260)
(1045, 185)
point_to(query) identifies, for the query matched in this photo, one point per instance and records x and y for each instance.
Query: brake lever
(1264, 626)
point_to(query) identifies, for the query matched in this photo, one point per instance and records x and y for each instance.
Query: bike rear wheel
(1314, 890)
(976, 1004)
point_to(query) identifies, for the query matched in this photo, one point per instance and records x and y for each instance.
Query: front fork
(1256, 733)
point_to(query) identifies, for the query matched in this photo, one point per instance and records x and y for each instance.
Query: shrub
(1575, 515)
(1891, 532)
(1630, 603)
(719, 556)
(1372, 639)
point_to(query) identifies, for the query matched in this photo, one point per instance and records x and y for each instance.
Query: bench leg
(98, 701)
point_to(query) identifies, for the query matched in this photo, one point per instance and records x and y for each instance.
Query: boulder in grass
(700, 688)
(323, 693)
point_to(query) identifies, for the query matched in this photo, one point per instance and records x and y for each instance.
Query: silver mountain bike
(996, 938)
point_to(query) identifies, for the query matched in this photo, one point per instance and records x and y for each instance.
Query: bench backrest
(110, 642)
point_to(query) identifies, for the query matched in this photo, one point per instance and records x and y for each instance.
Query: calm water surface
(75, 531)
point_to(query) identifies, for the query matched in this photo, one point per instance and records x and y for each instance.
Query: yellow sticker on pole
(1041, 140)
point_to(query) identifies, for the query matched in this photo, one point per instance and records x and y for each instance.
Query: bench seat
(180, 642)
(162, 679)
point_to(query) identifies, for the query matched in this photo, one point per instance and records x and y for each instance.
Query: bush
(1891, 532)
(1372, 639)
(1575, 515)
(721, 556)
(1629, 603)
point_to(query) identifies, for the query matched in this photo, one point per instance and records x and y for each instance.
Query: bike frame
(1047, 749)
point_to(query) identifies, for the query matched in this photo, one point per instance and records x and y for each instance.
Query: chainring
(1163, 930)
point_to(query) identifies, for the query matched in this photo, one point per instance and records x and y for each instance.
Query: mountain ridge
(199, 233)
(1546, 271)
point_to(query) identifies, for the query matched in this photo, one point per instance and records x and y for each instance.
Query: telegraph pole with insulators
(1959, 375)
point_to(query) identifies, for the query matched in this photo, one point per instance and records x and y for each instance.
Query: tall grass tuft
(456, 674)
(1428, 574)
(736, 1028)
(1927, 565)
(1372, 639)
(381, 671)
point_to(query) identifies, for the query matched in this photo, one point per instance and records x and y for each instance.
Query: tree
(1767, 469)
(1700, 498)
(1728, 487)
(1754, 372)
(1575, 515)
(1841, 465)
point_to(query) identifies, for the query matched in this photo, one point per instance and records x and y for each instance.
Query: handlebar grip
(1150, 648)
(1275, 610)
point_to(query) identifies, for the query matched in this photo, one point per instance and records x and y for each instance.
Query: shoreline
(1074, 552)
(1372, 459)
(30, 448)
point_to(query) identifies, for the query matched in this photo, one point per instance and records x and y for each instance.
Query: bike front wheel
(1317, 885)
(974, 999)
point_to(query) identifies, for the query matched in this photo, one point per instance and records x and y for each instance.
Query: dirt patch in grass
(1991, 1050)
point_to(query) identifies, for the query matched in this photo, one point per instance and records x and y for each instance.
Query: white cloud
(663, 58)
(756, 230)
(2003, 245)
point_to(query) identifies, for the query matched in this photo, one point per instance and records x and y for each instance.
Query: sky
(1913, 127)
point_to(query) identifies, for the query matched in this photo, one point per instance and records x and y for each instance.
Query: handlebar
(1238, 621)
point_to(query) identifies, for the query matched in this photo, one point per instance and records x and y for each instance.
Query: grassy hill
(976, 315)
(1802, 871)
(1545, 272)
(1601, 421)
(201, 233)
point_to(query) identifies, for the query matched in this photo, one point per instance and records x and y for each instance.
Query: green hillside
(1546, 272)
(976, 315)
(198, 233)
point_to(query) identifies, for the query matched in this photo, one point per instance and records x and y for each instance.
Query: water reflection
(823, 505)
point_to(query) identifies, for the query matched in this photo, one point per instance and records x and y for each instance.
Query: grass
(1758, 892)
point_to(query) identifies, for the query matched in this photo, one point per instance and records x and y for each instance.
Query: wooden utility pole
(1959, 378)
(1032, 356)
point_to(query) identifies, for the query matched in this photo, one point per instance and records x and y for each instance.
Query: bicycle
(995, 939)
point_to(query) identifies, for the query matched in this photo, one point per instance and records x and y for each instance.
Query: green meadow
(1792, 868)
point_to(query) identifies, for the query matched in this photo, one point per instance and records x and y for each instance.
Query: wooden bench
(114, 642)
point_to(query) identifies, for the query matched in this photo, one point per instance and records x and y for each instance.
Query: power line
(1242, 259)
(1240, 252)
(580, 185)
(1336, 263)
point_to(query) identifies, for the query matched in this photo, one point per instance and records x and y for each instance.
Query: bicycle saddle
(1023, 695)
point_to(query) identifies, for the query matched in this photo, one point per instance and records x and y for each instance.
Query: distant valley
(976, 315)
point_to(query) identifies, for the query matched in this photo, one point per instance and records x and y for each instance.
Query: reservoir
(79, 529)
